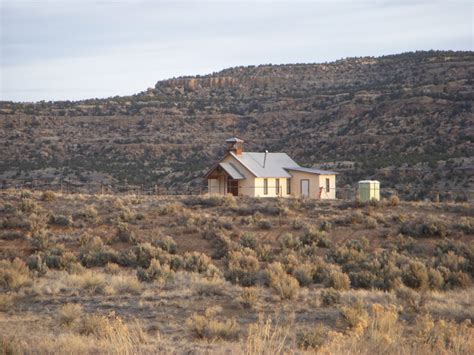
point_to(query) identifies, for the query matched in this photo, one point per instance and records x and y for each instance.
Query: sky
(71, 50)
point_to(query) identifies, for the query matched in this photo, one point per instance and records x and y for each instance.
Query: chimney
(235, 145)
(265, 158)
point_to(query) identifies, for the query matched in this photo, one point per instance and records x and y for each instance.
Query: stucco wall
(254, 187)
(315, 183)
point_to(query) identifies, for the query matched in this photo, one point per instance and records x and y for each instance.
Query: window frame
(328, 185)
(277, 187)
(288, 186)
(265, 186)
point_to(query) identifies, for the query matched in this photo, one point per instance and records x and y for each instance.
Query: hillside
(403, 119)
(94, 274)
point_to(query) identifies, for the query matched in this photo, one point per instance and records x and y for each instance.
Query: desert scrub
(243, 267)
(304, 274)
(48, 196)
(248, 241)
(330, 297)
(249, 298)
(154, 272)
(354, 317)
(95, 253)
(289, 241)
(14, 275)
(69, 313)
(197, 262)
(60, 220)
(124, 234)
(166, 243)
(285, 286)
(267, 336)
(415, 275)
(311, 339)
(208, 327)
(427, 227)
(338, 280)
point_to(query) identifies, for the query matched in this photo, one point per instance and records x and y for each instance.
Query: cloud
(72, 50)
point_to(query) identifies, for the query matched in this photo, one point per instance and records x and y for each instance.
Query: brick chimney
(235, 145)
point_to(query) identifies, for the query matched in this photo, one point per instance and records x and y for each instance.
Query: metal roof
(234, 140)
(232, 171)
(275, 164)
(312, 171)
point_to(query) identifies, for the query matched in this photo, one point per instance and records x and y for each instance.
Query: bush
(325, 226)
(207, 327)
(264, 224)
(427, 227)
(197, 262)
(284, 285)
(166, 243)
(14, 275)
(330, 297)
(394, 200)
(124, 234)
(304, 274)
(60, 220)
(415, 275)
(69, 313)
(248, 241)
(312, 339)
(243, 267)
(355, 317)
(48, 196)
(338, 280)
(95, 253)
(289, 241)
(249, 297)
(154, 272)
(458, 279)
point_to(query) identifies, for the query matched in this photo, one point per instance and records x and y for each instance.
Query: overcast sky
(70, 49)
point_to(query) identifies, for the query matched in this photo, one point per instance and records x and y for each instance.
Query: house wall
(315, 183)
(254, 187)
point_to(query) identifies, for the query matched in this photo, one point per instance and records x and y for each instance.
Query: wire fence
(105, 188)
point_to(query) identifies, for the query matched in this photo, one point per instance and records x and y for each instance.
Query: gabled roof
(275, 164)
(312, 171)
(233, 172)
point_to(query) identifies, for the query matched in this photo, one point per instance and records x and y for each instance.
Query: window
(265, 186)
(328, 188)
(288, 186)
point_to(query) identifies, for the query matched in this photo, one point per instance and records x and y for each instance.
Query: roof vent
(265, 158)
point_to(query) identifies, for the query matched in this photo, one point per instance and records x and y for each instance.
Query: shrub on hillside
(289, 241)
(14, 275)
(48, 196)
(197, 262)
(166, 243)
(154, 272)
(415, 275)
(95, 253)
(427, 227)
(304, 274)
(248, 241)
(286, 286)
(330, 297)
(208, 327)
(60, 220)
(242, 267)
(338, 280)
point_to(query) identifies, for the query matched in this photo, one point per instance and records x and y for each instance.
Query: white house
(267, 174)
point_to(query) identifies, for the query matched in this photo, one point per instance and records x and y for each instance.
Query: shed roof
(233, 172)
(313, 171)
(274, 165)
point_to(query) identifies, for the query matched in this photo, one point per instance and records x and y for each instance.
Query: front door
(305, 188)
(233, 187)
